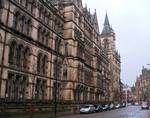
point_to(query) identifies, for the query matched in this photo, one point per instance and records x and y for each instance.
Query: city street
(128, 112)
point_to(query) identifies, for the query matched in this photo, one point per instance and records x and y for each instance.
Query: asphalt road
(128, 112)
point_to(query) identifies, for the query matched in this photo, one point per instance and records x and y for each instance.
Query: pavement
(128, 112)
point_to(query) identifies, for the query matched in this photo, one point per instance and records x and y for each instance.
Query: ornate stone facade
(47, 45)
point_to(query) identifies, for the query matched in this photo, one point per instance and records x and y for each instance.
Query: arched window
(12, 52)
(16, 20)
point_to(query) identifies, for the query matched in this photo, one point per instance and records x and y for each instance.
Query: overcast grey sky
(130, 20)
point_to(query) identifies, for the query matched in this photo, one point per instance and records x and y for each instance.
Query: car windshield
(86, 106)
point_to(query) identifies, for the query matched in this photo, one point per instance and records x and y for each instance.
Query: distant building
(127, 94)
(142, 85)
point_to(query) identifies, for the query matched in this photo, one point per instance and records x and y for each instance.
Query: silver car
(144, 105)
(87, 109)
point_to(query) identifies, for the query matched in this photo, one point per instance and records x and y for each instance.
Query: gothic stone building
(53, 49)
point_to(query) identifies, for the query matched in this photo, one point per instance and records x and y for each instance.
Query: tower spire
(106, 22)
(107, 28)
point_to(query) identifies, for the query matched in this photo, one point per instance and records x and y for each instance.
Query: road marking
(146, 116)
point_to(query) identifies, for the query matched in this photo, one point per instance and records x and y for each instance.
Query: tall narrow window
(16, 20)
(46, 38)
(23, 86)
(22, 23)
(10, 86)
(29, 27)
(39, 63)
(19, 55)
(12, 53)
(26, 60)
(17, 86)
(44, 65)
(65, 68)
(38, 89)
(43, 35)
(43, 89)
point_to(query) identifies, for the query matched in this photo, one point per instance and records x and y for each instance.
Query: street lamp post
(57, 44)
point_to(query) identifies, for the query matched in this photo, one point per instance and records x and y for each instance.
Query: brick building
(142, 85)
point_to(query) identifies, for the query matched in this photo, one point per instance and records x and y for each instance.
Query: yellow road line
(146, 116)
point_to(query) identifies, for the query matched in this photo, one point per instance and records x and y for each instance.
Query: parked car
(87, 109)
(144, 105)
(105, 107)
(123, 105)
(136, 103)
(117, 106)
(111, 106)
(98, 108)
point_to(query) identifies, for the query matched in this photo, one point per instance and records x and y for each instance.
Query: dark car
(98, 108)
